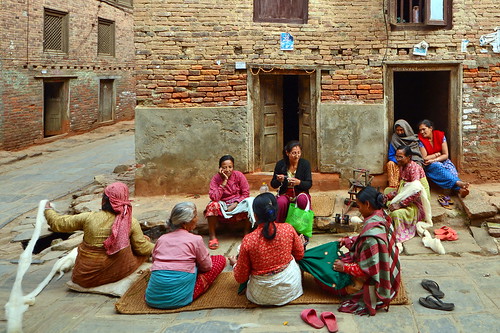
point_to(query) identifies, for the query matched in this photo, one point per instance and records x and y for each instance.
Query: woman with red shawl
(437, 165)
(113, 244)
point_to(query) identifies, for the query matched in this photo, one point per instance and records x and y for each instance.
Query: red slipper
(330, 321)
(310, 317)
(213, 244)
(443, 230)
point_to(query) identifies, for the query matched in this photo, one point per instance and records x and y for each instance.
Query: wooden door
(306, 121)
(53, 107)
(271, 121)
(106, 93)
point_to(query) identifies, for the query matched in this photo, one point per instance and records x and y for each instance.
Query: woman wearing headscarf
(268, 255)
(113, 244)
(182, 268)
(403, 136)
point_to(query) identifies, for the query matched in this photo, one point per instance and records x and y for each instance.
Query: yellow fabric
(392, 174)
(96, 228)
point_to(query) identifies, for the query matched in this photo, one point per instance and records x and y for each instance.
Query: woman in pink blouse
(268, 255)
(182, 267)
(414, 206)
(228, 188)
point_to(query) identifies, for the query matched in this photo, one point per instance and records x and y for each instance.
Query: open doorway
(417, 92)
(55, 107)
(285, 110)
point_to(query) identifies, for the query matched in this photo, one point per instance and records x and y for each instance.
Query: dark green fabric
(301, 220)
(318, 261)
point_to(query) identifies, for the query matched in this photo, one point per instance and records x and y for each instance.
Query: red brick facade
(187, 51)
(25, 66)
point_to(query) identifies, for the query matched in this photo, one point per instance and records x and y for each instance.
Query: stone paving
(469, 273)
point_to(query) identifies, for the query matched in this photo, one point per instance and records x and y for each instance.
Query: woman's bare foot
(462, 184)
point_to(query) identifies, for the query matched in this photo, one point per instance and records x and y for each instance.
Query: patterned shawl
(375, 252)
(120, 231)
(410, 140)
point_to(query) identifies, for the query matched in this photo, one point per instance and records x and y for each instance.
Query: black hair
(288, 148)
(426, 122)
(225, 158)
(406, 150)
(265, 208)
(106, 205)
(370, 194)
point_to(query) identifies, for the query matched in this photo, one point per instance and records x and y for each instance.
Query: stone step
(321, 181)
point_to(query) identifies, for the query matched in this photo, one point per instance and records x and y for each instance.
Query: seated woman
(438, 167)
(113, 244)
(403, 136)
(292, 176)
(410, 202)
(228, 188)
(372, 260)
(182, 267)
(267, 257)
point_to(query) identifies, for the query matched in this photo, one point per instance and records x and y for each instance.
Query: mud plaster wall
(180, 148)
(350, 137)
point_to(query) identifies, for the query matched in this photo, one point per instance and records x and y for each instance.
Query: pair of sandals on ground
(327, 319)
(434, 301)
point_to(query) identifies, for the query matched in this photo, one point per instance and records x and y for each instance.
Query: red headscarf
(119, 237)
(437, 142)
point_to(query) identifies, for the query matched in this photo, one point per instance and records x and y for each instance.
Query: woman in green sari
(409, 204)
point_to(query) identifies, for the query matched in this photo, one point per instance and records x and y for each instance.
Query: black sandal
(433, 288)
(432, 302)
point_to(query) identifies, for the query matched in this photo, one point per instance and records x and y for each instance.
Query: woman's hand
(223, 174)
(232, 260)
(294, 181)
(231, 206)
(394, 206)
(47, 205)
(280, 178)
(338, 265)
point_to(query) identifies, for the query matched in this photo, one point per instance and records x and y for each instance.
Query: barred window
(418, 14)
(106, 37)
(55, 31)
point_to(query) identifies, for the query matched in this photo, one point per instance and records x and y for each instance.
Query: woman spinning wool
(372, 260)
(113, 244)
(267, 257)
(292, 175)
(438, 167)
(228, 189)
(182, 267)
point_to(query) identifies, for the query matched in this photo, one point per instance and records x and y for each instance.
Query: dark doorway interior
(423, 95)
(290, 108)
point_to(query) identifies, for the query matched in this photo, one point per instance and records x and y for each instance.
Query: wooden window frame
(258, 16)
(120, 3)
(427, 22)
(64, 30)
(111, 24)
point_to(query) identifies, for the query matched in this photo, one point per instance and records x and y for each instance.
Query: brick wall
(25, 66)
(186, 53)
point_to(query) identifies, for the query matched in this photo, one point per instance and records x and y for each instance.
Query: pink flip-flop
(330, 321)
(311, 317)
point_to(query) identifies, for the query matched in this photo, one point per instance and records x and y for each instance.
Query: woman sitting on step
(182, 267)
(113, 244)
(267, 257)
(229, 194)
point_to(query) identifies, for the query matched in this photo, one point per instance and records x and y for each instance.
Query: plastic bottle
(263, 188)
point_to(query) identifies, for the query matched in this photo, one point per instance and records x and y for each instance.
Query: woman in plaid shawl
(373, 258)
